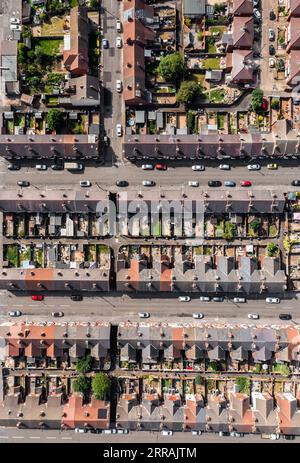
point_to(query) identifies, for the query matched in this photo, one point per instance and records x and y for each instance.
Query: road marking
(51, 437)
(3, 437)
(34, 437)
(18, 437)
(67, 438)
(62, 305)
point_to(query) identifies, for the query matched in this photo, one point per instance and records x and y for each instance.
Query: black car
(214, 183)
(57, 167)
(121, 183)
(76, 297)
(218, 298)
(13, 167)
(23, 183)
(272, 15)
(289, 437)
(272, 50)
(296, 182)
(285, 316)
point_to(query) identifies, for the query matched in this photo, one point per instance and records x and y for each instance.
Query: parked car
(119, 86)
(122, 431)
(184, 299)
(85, 183)
(272, 300)
(41, 167)
(23, 183)
(193, 183)
(296, 183)
(161, 166)
(272, 50)
(16, 27)
(148, 183)
(257, 14)
(81, 430)
(14, 313)
(218, 298)
(224, 166)
(13, 167)
(204, 298)
(37, 297)
(272, 62)
(229, 183)
(118, 42)
(214, 183)
(271, 34)
(289, 437)
(272, 15)
(105, 43)
(57, 167)
(198, 167)
(76, 297)
(253, 167)
(272, 166)
(147, 167)
(144, 314)
(239, 300)
(253, 316)
(198, 316)
(167, 433)
(245, 183)
(121, 183)
(14, 20)
(118, 25)
(57, 314)
(119, 130)
(110, 431)
(285, 316)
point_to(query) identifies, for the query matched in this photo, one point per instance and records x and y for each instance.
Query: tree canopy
(84, 364)
(188, 91)
(81, 384)
(100, 385)
(171, 67)
(257, 99)
(54, 119)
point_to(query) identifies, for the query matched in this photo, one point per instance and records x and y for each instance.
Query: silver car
(253, 167)
(119, 130)
(193, 183)
(224, 166)
(198, 316)
(148, 183)
(198, 167)
(147, 167)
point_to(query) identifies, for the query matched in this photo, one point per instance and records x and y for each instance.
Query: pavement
(13, 435)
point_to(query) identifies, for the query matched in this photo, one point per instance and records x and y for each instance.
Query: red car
(245, 183)
(161, 166)
(37, 297)
(264, 104)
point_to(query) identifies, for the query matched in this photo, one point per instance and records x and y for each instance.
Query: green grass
(39, 258)
(217, 95)
(211, 63)
(157, 229)
(273, 230)
(221, 121)
(49, 46)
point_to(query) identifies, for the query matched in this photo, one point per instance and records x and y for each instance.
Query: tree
(243, 384)
(188, 91)
(54, 119)
(272, 249)
(257, 99)
(81, 384)
(254, 225)
(275, 103)
(171, 67)
(85, 364)
(199, 380)
(229, 230)
(100, 385)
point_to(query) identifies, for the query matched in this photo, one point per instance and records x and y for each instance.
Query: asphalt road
(105, 177)
(13, 435)
(116, 308)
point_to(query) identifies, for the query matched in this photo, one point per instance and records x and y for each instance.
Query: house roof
(95, 414)
(293, 34)
(242, 7)
(194, 8)
(76, 54)
(243, 32)
(242, 68)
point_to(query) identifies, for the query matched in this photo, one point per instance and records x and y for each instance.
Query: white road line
(3, 437)
(18, 437)
(51, 437)
(67, 438)
(34, 437)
